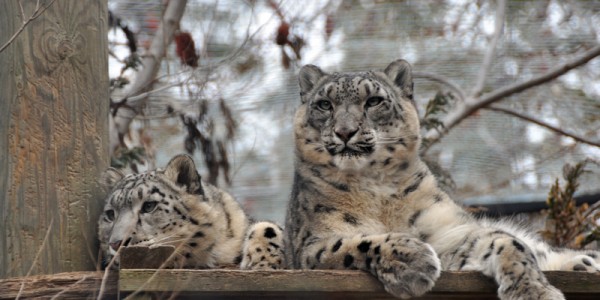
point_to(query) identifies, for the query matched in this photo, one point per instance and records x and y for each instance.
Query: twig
(491, 49)
(463, 110)
(36, 13)
(37, 256)
(83, 279)
(443, 80)
(145, 77)
(543, 124)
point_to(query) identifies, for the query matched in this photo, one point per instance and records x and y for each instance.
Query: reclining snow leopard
(207, 227)
(363, 199)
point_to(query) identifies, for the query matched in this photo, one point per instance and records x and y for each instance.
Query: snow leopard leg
(263, 247)
(406, 266)
(509, 260)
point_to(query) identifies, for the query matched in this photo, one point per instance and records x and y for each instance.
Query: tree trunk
(53, 135)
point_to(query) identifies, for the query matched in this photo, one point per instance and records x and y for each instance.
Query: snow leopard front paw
(525, 290)
(407, 267)
(263, 247)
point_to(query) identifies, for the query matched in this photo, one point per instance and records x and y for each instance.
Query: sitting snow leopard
(207, 227)
(363, 199)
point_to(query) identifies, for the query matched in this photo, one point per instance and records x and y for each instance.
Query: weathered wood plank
(53, 135)
(144, 258)
(74, 285)
(238, 283)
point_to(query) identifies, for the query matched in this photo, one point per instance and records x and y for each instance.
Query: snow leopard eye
(148, 206)
(109, 215)
(324, 105)
(373, 101)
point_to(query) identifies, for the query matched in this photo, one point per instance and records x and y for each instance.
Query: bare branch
(543, 124)
(491, 50)
(151, 63)
(443, 80)
(36, 13)
(464, 110)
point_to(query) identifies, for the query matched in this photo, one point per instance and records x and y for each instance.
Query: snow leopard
(174, 207)
(362, 198)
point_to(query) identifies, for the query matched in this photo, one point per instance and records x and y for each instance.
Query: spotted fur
(363, 199)
(174, 207)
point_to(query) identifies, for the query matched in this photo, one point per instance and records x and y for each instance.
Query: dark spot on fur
(274, 245)
(188, 255)
(336, 246)
(431, 268)
(518, 246)
(340, 186)
(258, 249)
(348, 260)
(413, 187)
(199, 234)
(579, 267)
(500, 250)
(462, 263)
(350, 219)
(193, 244)
(270, 233)
(368, 261)
(414, 218)
(177, 211)
(319, 253)
(377, 250)
(391, 148)
(438, 198)
(156, 190)
(586, 262)
(364, 246)
(387, 161)
(403, 166)
(238, 259)
(592, 255)
(319, 208)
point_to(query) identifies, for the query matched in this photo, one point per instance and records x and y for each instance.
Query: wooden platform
(282, 284)
(140, 277)
(326, 284)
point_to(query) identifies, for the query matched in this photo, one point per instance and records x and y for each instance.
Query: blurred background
(226, 90)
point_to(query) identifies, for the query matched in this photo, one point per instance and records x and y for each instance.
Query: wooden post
(53, 134)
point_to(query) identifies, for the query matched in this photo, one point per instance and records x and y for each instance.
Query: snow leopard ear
(400, 73)
(308, 77)
(181, 170)
(110, 177)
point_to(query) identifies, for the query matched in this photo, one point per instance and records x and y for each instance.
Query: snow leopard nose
(345, 133)
(115, 245)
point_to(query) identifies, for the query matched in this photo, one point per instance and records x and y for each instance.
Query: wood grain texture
(327, 283)
(74, 285)
(53, 135)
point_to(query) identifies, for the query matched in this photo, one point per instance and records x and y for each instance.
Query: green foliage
(569, 225)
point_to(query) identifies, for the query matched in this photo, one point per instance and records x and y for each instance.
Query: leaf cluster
(436, 106)
(569, 225)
